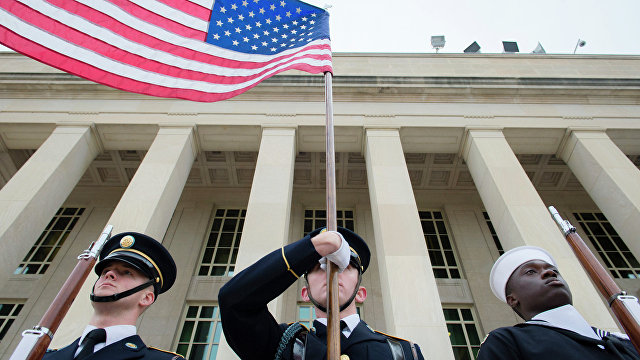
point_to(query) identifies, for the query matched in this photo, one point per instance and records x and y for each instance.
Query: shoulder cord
(288, 334)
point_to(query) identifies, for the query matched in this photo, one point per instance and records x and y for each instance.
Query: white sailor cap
(509, 262)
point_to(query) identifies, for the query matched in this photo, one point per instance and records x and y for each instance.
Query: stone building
(443, 161)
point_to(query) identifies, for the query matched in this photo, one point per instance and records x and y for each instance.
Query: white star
(253, 47)
(274, 40)
(285, 26)
(251, 14)
(283, 44)
(278, 17)
(256, 1)
(223, 10)
(258, 24)
(235, 42)
(234, 7)
(261, 11)
(313, 14)
(292, 39)
(240, 17)
(275, 29)
(295, 22)
(282, 3)
(266, 33)
(288, 13)
(304, 19)
(238, 30)
(312, 22)
(310, 33)
(272, 7)
(248, 27)
(255, 36)
(273, 49)
(284, 36)
(268, 21)
(227, 32)
(219, 22)
(298, 10)
(245, 39)
(244, 3)
(294, 32)
(216, 36)
(303, 27)
(230, 20)
(264, 43)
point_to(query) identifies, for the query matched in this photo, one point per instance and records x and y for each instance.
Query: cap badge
(131, 345)
(127, 241)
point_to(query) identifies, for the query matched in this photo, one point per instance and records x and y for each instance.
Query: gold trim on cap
(146, 257)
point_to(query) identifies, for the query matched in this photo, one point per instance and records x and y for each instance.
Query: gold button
(344, 357)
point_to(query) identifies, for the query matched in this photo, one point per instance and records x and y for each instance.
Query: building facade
(443, 161)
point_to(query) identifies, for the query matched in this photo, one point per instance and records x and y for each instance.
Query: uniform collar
(352, 321)
(565, 317)
(114, 334)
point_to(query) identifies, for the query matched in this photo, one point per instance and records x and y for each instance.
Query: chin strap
(346, 304)
(118, 296)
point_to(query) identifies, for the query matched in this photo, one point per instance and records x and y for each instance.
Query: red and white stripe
(152, 47)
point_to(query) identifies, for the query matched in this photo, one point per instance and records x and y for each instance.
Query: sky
(406, 26)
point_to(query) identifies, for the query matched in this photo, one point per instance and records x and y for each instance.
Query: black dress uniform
(128, 348)
(535, 342)
(253, 333)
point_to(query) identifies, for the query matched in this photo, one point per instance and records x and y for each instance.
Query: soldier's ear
(361, 295)
(512, 301)
(305, 294)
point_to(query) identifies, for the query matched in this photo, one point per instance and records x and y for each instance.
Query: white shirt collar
(114, 334)
(565, 317)
(352, 321)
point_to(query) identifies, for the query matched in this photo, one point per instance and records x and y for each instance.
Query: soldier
(134, 269)
(526, 278)
(253, 333)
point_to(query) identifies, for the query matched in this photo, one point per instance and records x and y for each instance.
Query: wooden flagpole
(333, 312)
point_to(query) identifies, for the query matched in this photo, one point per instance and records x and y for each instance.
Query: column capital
(95, 135)
(179, 128)
(489, 131)
(568, 142)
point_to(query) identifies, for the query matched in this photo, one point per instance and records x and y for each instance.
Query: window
(443, 259)
(463, 332)
(8, 314)
(221, 250)
(314, 219)
(614, 253)
(200, 333)
(50, 241)
(306, 315)
(494, 235)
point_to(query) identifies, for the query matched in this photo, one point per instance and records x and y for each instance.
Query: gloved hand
(340, 257)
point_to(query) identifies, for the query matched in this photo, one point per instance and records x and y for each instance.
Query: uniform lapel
(66, 353)
(127, 348)
(361, 333)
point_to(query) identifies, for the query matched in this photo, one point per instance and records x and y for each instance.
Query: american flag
(200, 50)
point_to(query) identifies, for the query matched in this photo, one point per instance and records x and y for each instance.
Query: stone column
(521, 218)
(145, 207)
(269, 203)
(7, 168)
(609, 177)
(412, 307)
(33, 195)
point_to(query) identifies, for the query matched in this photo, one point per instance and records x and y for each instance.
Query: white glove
(341, 257)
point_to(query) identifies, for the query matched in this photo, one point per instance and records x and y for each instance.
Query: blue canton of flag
(266, 26)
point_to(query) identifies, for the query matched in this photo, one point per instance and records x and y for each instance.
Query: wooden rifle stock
(625, 308)
(35, 342)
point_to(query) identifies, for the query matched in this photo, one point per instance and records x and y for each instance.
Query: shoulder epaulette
(178, 356)
(390, 336)
(52, 350)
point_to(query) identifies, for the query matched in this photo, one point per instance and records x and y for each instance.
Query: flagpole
(333, 313)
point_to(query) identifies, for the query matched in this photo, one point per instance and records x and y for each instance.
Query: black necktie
(94, 337)
(343, 325)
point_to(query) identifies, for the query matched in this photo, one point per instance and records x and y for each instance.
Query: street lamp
(580, 43)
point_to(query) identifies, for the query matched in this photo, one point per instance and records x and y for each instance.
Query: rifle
(624, 307)
(34, 343)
